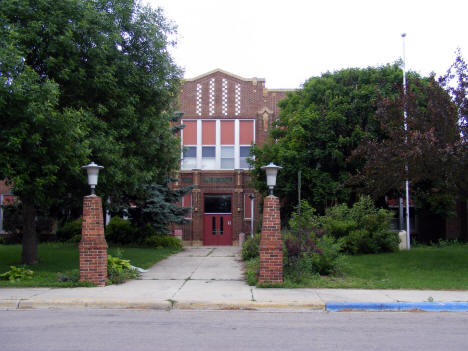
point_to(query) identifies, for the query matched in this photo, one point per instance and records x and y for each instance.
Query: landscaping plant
(163, 241)
(16, 274)
(70, 231)
(361, 229)
(119, 270)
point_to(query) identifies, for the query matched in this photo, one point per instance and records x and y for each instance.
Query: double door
(217, 229)
(217, 220)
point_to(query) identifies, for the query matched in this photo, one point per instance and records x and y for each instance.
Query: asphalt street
(106, 330)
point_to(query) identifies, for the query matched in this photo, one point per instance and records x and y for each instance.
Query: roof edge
(225, 72)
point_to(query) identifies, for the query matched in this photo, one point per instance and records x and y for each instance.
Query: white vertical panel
(218, 144)
(236, 144)
(199, 143)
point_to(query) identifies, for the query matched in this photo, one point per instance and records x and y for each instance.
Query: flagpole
(405, 116)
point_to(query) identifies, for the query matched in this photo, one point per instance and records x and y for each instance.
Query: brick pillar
(271, 245)
(93, 246)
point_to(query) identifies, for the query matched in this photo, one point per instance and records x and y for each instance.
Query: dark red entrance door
(217, 221)
(217, 229)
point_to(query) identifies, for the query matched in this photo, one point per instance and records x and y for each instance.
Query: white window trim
(218, 145)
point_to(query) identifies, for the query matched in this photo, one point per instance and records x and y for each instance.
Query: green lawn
(63, 258)
(420, 268)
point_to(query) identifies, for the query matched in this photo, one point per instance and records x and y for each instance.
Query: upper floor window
(217, 144)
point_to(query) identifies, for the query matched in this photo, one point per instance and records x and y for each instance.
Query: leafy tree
(40, 144)
(82, 80)
(433, 147)
(318, 128)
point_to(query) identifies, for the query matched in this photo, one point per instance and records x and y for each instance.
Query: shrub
(119, 270)
(72, 276)
(163, 240)
(252, 267)
(121, 231)
(70, 230)
(250, 247)
(13, 223)
(16, 274)
(362, 228)
(310, 253)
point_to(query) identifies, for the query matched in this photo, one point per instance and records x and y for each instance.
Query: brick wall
(93, 246)
(222, 95)
(271, 245)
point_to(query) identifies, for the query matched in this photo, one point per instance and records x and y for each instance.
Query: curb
(77, 304)
(246, 306)
(397, 306)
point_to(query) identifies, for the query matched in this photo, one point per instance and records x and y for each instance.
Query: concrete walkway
(212, 278)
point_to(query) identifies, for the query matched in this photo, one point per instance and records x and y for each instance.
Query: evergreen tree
(159, 207)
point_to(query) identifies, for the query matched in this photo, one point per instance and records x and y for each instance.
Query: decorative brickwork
(93, 246)
(271, 245)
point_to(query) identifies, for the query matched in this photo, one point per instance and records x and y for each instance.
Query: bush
(16, 274)
(13, 223)
(362, 228)
(252, 267)
(119, 270)
(121, 231)
(163, 240)
(70, 230)
(72, 276)
(310, 253)
(250, 247)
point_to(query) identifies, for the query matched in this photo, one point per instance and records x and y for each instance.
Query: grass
(64, 258)
(420, 268)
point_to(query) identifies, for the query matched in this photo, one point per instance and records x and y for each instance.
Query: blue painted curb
(397, 306)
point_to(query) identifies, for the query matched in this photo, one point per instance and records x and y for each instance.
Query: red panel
(227, 132)
(209, 132)
(246, 132)
(187, 202)
(190, 133)
(217, 229)
(247, 206)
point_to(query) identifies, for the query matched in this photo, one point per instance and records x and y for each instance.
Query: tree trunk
(29, 254)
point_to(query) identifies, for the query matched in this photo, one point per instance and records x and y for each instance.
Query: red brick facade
(271, 245)
(221, 96)
(93, 246)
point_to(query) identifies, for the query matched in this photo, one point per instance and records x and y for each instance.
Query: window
(217, 203)
(227, 157)
(246, 138)
(244, 154)
(208, 160)
(217, 144)
(208, 157)
(189, 139)
(190, 157)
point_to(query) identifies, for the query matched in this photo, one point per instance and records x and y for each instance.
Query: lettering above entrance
(217, 179)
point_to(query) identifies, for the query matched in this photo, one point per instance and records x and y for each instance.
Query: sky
(288, 41)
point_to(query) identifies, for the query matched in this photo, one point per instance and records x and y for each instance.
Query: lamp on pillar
(271, 244)
(271, 171)
(93, 174)
(93, 246)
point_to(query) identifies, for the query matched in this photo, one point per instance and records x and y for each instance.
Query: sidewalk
(211, 278)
